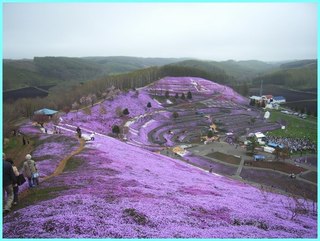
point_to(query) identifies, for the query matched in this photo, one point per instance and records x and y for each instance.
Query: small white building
(260, 137)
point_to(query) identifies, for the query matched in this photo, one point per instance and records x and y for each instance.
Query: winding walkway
(59, 168)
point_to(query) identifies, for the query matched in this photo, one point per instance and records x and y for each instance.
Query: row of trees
(182, 96)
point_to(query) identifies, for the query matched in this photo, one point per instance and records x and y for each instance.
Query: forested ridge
(68, 71)
(297, 75)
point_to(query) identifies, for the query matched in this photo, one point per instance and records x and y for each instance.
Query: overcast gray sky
(215, 31)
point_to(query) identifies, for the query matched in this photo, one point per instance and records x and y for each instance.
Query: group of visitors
(294, 144)
(12, 179)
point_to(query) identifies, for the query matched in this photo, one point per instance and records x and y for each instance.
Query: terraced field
(210, 103)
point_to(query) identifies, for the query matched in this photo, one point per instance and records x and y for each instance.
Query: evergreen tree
(125, 111)
(210, 134)
(176, 96)
(149, 105)
(166, 94)
(183, 97)
(175, 115)
(253, 143)
(277, 152)
(116, 129)
(308, 112)
(189, 95)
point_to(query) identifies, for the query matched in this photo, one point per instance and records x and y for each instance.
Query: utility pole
(261, 88)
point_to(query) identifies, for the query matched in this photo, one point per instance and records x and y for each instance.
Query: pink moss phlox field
(122, 191)
(115, 190)
(102, 122)
(197, 85)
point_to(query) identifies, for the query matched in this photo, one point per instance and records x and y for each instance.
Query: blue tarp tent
(259, 157)
(274, 145)
(45, 111)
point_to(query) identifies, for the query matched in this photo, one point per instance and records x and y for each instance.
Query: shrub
(149, 105)
(176, 96)
(210, 134)
(175, 115)
(119, 111)
(125, 111)
(116, 129)
(103, 110)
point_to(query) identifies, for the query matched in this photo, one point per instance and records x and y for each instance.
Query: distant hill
(55, 70)
(121, 64)
(235, 70)
(20, 74)
(66, 71)
(202, 69)
(297, 75)
(311, 63)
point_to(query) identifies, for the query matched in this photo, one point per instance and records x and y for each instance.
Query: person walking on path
(15, 187)
(30, 171)
(79, 131)
(9, 180)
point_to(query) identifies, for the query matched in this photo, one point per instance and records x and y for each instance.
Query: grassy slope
(295, 127)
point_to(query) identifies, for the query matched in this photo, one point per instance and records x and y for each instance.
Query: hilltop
(120, 189)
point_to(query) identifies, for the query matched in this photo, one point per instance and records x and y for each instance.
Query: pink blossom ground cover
(122, 191)
(197, 85)
(102, 122)
(116, 190)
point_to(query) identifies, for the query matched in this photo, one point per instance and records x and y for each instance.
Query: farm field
(279, 166)
(28, 92)
(225, 158)
(310, 176)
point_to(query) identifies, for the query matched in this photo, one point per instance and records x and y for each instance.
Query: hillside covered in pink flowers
(121, 189)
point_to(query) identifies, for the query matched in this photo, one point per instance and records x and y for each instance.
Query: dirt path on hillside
(59, 168)
(64, 161)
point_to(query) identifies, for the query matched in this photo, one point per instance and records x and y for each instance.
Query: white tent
(259, 135)
(267, 115)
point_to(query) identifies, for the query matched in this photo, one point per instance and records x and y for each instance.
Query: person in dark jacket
(9, 179)
(15, 187)
(79, 131)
